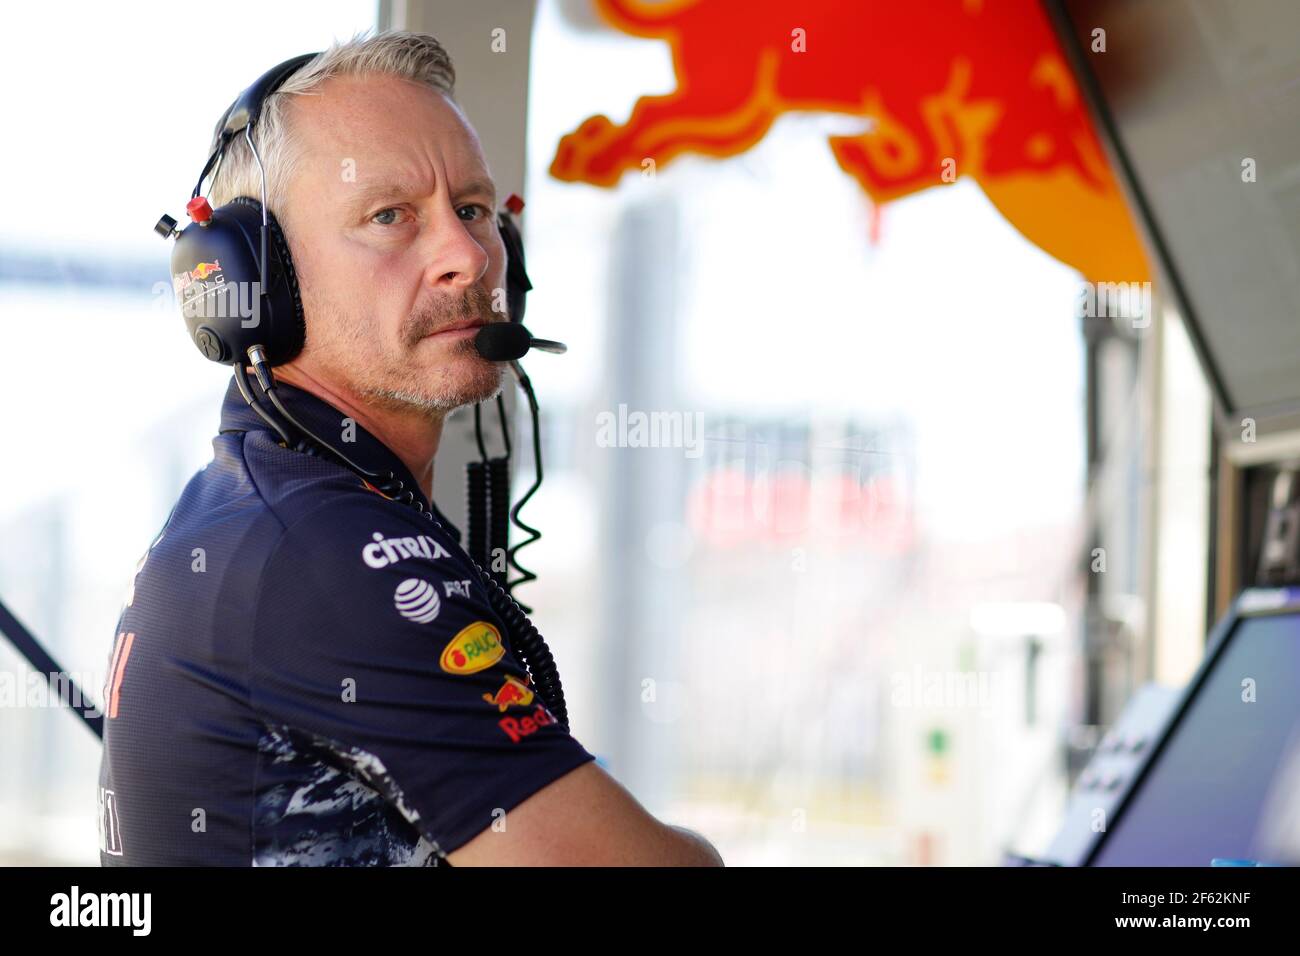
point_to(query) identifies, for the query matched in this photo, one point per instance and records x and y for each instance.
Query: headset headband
(247, 108)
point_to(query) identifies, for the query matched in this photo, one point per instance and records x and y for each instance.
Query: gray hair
(412, 56)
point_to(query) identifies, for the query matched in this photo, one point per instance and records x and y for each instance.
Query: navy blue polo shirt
(307, 672)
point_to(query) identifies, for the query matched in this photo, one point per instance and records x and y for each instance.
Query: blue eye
(482, 209)
(384, 212)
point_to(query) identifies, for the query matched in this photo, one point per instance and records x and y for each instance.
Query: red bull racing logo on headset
(201, 273)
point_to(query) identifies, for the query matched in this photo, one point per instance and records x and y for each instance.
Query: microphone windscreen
(502, 341)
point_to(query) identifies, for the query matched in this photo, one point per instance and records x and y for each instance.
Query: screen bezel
(1250, 604)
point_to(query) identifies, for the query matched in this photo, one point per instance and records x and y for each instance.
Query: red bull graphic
(205, 269)
(199, 274)
(513, 691)
(948, 88)
(519, 728)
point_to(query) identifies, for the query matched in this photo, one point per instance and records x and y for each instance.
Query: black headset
(231, 268)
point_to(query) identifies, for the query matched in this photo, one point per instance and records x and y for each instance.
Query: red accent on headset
(514, 204)
(199, 209)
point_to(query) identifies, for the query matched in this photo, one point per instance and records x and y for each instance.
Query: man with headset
(309, 669)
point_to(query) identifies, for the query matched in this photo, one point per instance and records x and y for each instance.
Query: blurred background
(918, 520)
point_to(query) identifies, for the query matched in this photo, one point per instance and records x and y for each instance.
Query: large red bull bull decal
(949, 88)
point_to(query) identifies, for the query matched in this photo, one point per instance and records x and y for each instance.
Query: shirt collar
(330, 424)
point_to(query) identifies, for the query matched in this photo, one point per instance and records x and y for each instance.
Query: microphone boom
(508, 341)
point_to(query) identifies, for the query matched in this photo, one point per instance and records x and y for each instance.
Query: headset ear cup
(216, 270)
(286, 339)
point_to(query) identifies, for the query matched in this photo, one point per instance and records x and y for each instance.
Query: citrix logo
(386, 551)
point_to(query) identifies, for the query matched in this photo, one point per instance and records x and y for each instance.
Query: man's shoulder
(310, 493)
(361, 528)
(359, 560)
(338, 521)
(297, 526)
(295, 486)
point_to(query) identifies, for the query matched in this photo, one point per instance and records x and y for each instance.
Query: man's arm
(584, 818)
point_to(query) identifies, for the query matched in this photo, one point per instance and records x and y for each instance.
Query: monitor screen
(1203, 101)
(1226, 783)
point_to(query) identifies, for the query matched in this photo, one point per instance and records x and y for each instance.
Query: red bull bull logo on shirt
(513, 691)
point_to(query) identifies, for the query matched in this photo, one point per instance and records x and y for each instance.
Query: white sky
(108, 114)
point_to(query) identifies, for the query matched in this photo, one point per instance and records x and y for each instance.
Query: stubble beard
(392, 380)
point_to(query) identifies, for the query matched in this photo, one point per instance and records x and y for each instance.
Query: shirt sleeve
(375, 640)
